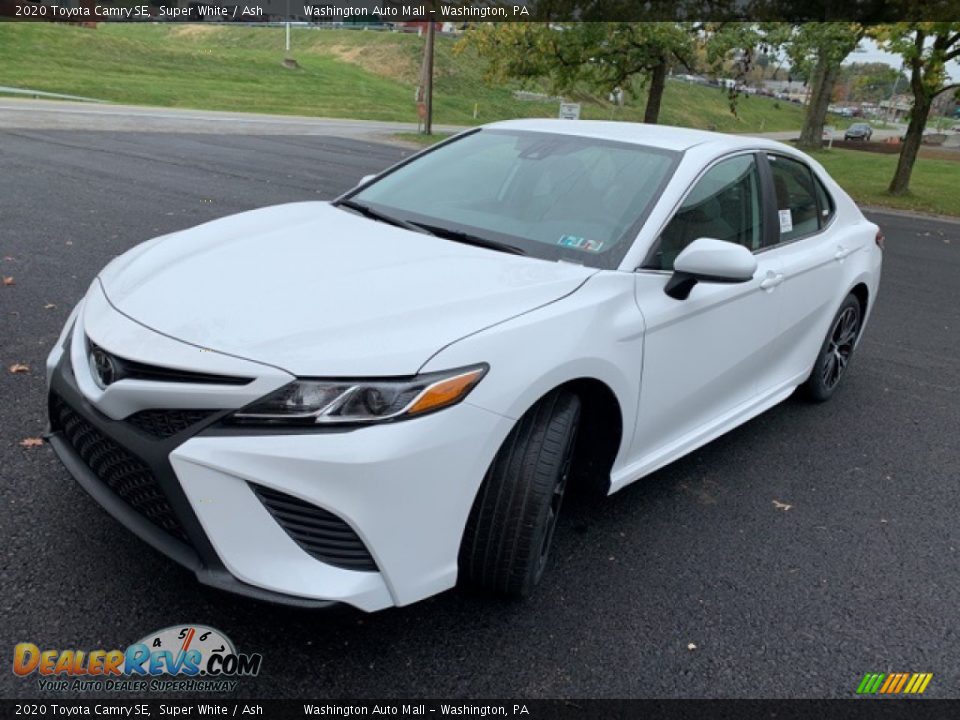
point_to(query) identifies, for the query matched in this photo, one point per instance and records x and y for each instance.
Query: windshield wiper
(437, 230)
(369, 212)
(470, 239)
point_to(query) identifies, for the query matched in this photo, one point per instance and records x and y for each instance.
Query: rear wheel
(508, 535)
(836, 351)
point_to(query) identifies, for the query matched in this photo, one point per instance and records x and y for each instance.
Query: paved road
(20, 113)
(860, 574)
(879, 134)
(45, 114)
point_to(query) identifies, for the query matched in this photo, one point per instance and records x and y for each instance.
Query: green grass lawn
(933, 185)
(344, 73)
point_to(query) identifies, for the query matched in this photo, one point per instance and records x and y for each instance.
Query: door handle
(841, 253)
(771, 281)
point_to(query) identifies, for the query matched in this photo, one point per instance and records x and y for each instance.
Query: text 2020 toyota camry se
(363, 401)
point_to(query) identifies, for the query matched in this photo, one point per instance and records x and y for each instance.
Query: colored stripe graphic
(889, 683)
(870, 683)
(900, 683)
(894, 683)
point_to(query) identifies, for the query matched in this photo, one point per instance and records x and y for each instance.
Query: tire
(836, 352)
(510, 528)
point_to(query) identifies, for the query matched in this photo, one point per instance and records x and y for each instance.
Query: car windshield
(859, 126)
(547, 195)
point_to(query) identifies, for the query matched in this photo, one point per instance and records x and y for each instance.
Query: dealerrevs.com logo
(179, 658)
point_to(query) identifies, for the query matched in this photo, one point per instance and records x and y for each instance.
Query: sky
(869, 52)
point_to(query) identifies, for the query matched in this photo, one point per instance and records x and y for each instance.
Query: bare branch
(951, 86)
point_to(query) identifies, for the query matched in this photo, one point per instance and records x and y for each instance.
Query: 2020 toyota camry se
(364, 400)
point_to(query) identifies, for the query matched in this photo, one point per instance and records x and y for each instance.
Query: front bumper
(404, 489)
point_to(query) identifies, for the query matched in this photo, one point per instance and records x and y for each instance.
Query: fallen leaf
(49, 306)
(781, 506)
(19, 368)
(691, 646)
(8, 280)
(31, 442)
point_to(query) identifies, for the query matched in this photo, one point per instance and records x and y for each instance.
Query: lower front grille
(166, 423)
(320, 533)
(128, 476)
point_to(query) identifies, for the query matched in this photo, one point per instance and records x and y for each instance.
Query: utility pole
(428, 80)
(892, 110)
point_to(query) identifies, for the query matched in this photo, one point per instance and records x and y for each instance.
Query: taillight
(880, 239)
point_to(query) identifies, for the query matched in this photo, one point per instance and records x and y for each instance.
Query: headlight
(344, 402)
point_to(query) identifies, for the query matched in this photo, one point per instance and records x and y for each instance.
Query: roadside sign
(569, 111)
(828, 134)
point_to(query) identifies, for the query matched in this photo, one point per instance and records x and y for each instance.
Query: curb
(910, 214)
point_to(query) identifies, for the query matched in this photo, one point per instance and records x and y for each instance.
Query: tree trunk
(911, 144)
(658, 81)
(821, 92)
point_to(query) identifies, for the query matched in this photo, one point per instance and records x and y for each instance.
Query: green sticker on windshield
(580, 243)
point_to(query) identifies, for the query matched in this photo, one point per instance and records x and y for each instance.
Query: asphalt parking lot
(692, 583)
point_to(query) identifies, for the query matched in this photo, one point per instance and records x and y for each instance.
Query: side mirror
(365, 179)
(709, 260)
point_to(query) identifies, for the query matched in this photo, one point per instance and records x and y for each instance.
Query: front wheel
(836, 351)
(510, 528)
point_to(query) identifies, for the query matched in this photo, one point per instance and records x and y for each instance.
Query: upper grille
(141, 371)
(320, 533)
(167, 423)
(128, 476)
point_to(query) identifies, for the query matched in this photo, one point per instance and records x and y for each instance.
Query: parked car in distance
(858, 131)
(367, 400)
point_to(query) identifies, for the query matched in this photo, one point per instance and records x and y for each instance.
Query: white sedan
(364, 401)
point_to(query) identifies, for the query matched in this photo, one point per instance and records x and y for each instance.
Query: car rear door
(810, 250)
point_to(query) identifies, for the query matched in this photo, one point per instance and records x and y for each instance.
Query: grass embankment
(344, 73)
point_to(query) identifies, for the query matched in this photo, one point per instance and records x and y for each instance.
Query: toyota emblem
(103, 366)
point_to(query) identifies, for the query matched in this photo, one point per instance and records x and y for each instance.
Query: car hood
(316, 290)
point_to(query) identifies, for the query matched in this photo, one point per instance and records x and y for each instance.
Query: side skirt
(675, 450)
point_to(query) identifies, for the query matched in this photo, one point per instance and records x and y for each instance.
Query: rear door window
(795, 192)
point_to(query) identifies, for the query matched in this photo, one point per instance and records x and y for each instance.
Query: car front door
(705, 356)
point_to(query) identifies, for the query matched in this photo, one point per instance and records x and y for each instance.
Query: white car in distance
(366, 400)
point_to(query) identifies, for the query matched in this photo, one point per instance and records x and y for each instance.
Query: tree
(869, 82)
(599, 56)
(816, 50)
(735, 48)
(926, 48)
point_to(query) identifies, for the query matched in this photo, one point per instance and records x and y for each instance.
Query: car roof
(660, 136)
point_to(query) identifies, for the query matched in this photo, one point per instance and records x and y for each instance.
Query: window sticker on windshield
(580, 243)
(786, 221)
